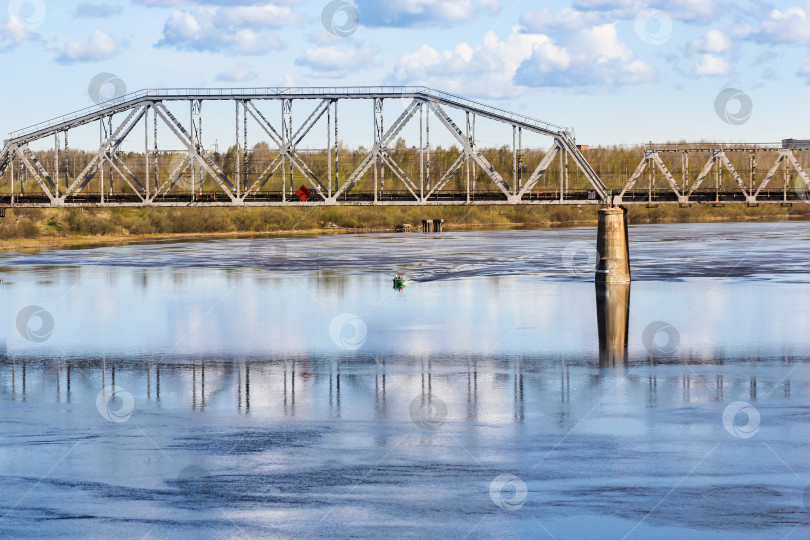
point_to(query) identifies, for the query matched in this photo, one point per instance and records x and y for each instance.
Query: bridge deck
(458, 198)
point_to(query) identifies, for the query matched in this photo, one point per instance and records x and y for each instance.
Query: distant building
(586, 147)
(796, 143)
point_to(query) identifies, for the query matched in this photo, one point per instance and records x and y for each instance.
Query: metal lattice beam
(143, 182)
(719, 161)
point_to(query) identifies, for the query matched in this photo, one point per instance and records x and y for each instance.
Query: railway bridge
(412, 146)
(306, 155)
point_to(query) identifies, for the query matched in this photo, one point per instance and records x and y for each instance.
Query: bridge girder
(154, 187)
(694, 190)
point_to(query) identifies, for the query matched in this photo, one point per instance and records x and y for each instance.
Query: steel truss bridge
(784, 179)
(242, 187)
(286, 174)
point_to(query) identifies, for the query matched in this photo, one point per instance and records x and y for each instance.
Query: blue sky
(619, 71)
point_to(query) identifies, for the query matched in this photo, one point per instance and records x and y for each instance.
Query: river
(282, 388)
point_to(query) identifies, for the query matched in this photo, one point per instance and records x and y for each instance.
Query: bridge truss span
(712, 174)
(275, 161)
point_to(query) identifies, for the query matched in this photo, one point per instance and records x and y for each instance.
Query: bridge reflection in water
(490, 390)
(481, 388)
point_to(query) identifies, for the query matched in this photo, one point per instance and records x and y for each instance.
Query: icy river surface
(282, 388)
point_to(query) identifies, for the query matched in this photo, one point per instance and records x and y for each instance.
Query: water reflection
(613, 319)
(292, 442)
(232, 370)
(325, 387)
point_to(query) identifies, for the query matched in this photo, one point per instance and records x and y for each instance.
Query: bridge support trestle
(612, 246)
(432, 225)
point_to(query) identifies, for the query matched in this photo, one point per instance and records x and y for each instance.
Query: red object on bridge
(303, 193)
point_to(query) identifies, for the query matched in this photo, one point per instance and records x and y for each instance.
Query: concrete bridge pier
(612, 246)
(432, 225)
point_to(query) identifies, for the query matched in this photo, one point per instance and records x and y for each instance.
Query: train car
(796, 143)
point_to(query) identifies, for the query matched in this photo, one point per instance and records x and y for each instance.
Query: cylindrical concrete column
(612, 246)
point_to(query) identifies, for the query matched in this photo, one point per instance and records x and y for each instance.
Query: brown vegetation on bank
(60, 225)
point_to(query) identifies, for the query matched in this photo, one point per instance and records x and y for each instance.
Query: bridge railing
(276, 92)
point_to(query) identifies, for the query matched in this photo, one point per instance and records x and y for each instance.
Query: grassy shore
(38, 228)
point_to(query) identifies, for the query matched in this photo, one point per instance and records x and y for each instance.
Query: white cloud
(262, 16)
(596, 57)
(321, 37)
(682, 10)
(742, 30)
(713, 42)
(579, 60)
(237, 73)
(289, 81)
(13, 33)
(99, 46)
(411, 13)
(238, 30)
(177, 3)
(464, 69)
(789, 26)
(544, 22)
(336, 62)
(712, 66)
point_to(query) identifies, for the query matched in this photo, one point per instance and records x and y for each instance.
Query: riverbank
(52, 228)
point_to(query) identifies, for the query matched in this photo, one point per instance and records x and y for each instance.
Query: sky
(617, 71)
